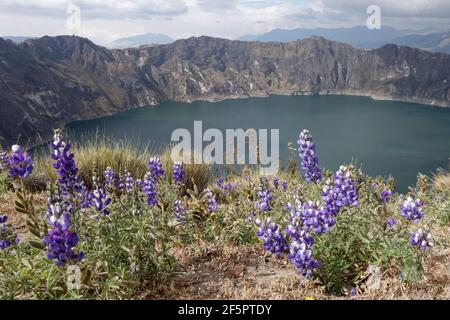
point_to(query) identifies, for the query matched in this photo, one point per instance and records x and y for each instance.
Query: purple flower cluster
(60, 240)
(310, 217)
(264, 199)
(220, 182)
(127, 181)
(110, 178)
(341, 192)
(70, 183)
(20, 164)
(344, 187)
(303, 221)
(410, 209)
(276, 182)
(180, 210)
(178, 172)
(385, 195)
(421, 240)
(226, 188)
(284, 185)
(273, 240)
(309, 160)
(149, 189)
(211, 200)
(391, 222)
(300, 255)
(6, 238)
(100, 201)
(149, 183)
(155, 168)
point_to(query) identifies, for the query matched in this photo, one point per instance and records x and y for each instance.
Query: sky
(106, 20)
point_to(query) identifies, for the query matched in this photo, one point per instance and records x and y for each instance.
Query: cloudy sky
(106, 20)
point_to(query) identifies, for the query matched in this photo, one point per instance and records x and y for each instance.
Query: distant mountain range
(362, 37)
(51, 81)
(142, 39)
(17, 39)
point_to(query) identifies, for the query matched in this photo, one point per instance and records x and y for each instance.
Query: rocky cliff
(48, 82)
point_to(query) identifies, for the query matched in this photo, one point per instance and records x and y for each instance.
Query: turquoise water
(384, 137)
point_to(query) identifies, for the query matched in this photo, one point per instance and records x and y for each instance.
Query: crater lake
(383, 137)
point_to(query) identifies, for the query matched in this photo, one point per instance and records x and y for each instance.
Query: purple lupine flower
(344, 186)
(385, 195)
(353, 292)
(391, 222)
(309, 160)
(20, 164)
(7, 239)
(228, 187)
(276, 182)
(70, 183)
(311, 217)
(421, 240)
(284, 185)
(127, 181)
(60, 240)
(60, 243)
(4, 160)
(178, 172)
(110, 178)
(149, 189)
(219, 183)
(211, 200)
(300, 255)
(330, 197)
(269, 233)
(264, 199)
(341, 192)
(410, 209)
(296, 229)
(180, 210)
(155, 167)
(100, 200)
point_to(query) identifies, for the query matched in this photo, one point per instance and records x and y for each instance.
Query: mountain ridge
(51, 81)
(361, 37)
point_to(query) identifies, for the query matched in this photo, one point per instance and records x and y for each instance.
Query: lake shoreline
(46, 138)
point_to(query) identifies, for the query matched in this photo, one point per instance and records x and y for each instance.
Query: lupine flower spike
(410, 209)
(211, 201)
(7, 238)
(70, 183)
(309, 160)
(20, 164)
(178, 172)
(422, 240)
(60, 240)
(271, 236)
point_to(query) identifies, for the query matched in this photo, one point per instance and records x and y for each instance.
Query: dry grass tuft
(441, 180)
(99, 153)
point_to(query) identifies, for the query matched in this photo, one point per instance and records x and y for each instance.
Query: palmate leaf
(20, 195)
(19, 205)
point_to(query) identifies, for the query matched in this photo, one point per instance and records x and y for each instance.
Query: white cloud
(97, 9)
(106, 20)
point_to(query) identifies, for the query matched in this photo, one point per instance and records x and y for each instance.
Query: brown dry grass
(441, 180)
(247, 272)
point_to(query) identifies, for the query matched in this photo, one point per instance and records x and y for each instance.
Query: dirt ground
(247, 272)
